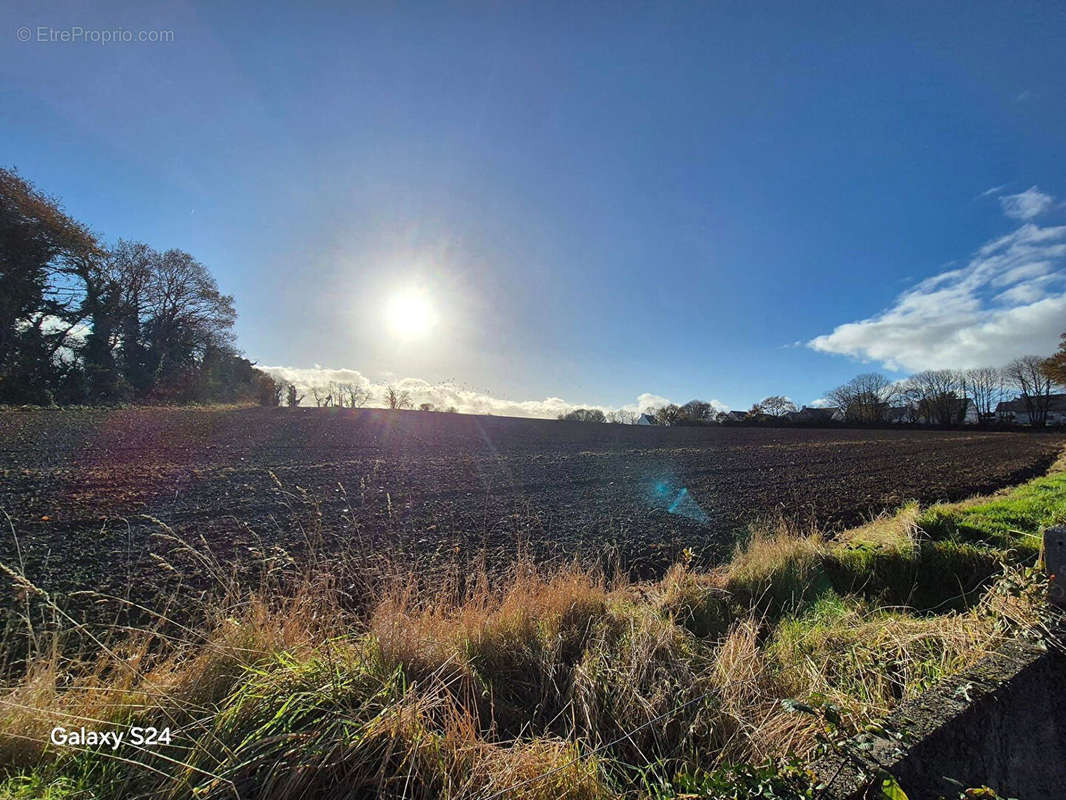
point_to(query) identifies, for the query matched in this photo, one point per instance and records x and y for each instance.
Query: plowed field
(81, 485)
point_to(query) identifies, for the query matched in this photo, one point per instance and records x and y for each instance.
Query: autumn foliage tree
(81, 322)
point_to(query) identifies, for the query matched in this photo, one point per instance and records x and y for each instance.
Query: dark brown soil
(78, 484)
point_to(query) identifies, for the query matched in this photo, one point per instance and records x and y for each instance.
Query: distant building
(734, 416)
(1016, 411)
(900, 415)
(815, 416)
(646, 419)
(963, 411)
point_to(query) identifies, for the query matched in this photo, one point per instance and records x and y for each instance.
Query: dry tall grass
(548, 683)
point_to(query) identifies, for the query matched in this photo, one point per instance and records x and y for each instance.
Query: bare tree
(351, 395)
(396, 399)
(985, 387)
(292, 399)
(320, 395)
(865, 398)
(621, 417)
(1026, 376)
(939, 395)
(777, 405)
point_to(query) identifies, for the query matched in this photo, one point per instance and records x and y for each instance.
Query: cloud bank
(445, 396)
(1009, 300)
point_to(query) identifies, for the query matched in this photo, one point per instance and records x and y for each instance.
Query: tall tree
(668, 414)
(777, 405)
(1055, 366)
(397, 398)
(1028, 376)
(695, 412)
(865, 398)
(187, 314)
(939, 395)
(985, 387)
(43, 254)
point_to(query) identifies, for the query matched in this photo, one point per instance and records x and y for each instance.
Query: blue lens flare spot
(674, 499)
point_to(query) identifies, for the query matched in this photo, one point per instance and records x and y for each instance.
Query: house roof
(816, 413)
(647, 418)
(1056, 403)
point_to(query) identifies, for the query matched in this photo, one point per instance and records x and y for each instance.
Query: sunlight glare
(409, 314)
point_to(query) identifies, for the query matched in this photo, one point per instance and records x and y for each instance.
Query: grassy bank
(561, 683)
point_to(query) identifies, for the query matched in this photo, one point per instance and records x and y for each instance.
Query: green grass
(844, 651)
(1011, 521)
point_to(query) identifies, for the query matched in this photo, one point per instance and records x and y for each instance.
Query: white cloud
(1009, 300)
(449, 395)
(1026, 205)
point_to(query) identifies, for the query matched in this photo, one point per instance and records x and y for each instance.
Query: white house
(1017, 412)
(646, 419)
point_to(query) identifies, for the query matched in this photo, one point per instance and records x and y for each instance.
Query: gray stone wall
(1002, 724)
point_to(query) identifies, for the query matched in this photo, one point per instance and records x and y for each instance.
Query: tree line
(944, 396)
(932, 397)
(337, 394)
(83, 322)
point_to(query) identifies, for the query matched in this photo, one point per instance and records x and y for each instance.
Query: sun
(409, 314)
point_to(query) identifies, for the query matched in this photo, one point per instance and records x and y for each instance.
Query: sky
(608, 205)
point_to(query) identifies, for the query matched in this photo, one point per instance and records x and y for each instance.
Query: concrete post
(1055, 564)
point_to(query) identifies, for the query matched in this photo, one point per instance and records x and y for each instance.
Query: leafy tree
(270, 390)
(695, 412)
(1054, 368)
(667, 415)
(585, 415)
(79, 322)
(43, 254)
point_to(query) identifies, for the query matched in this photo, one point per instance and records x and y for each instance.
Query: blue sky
(600, 201)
